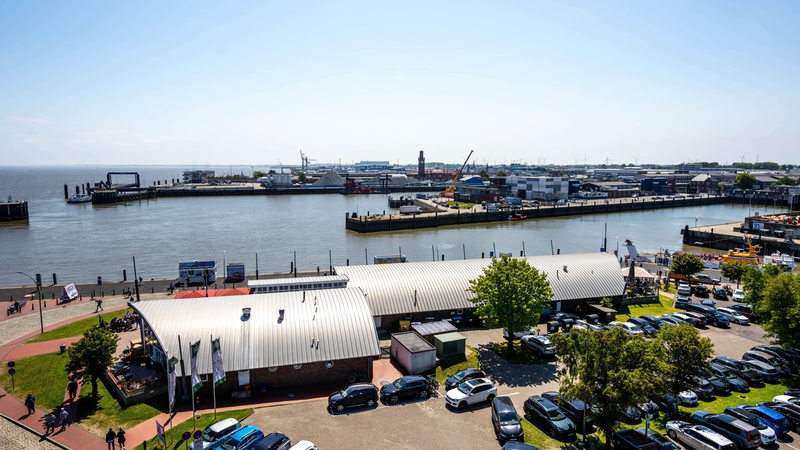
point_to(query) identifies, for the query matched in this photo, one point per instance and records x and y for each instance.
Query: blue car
(242, 439)
(774, 419)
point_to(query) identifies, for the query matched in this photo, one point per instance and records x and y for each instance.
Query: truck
(410, 209)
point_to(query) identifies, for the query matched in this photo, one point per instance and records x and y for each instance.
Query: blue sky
(254, 83)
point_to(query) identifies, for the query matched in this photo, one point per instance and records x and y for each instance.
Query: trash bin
(566, 324)
(62, 348)
(552, 327)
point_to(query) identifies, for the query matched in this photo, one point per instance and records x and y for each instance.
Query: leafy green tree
(785, 181)
(780, 309)
(610, 370)
(301, 177)
(766, 165)
(502, 173)
(754, 281)
(686, 264)
(734, 270)
(684, 354)
(258, 174)
(89, 358)
(745, 180)
(484, 174)
(512, 294)
(606, 302)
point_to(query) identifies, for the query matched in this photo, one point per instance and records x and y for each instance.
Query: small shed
(450, 344)
(415, 354)
(429, 329)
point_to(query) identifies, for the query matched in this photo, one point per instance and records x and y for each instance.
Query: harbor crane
(451, 189)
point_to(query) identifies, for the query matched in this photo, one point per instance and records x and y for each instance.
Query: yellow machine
(450, 189)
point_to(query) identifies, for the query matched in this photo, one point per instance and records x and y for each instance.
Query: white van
(219, 431)
(304, 445)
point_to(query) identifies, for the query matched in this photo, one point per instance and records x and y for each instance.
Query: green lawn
(173, 437)
(656, 309)
(77, 328)
(449, 366)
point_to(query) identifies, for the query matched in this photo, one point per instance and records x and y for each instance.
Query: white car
(738, 295)
(684, 289)
(697, 437)
(787, 399)
(629, 328)
(687, 398)
(471, 392)
(734, 316)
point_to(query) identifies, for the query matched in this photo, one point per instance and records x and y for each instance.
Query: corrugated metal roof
(295, 280)
(442, 285)
(337, 321)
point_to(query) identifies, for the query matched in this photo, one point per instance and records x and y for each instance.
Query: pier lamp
(38, 282)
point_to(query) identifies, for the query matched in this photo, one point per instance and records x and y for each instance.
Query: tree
(484, 174)
(502, 173)
(745, 180)
(258, 174)
(780, 309)
(684, 354)
(512, 294)
(301, 177)
(686, 264)
(92, 355)
(610, 370)
(785, 181)
(755, 282)
(734, 270)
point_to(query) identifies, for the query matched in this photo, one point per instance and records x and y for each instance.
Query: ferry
(749, 256)
(79, 198)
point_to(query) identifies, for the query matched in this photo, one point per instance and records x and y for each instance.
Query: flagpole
(213, 382)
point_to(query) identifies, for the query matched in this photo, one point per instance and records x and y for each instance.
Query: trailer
(410, 209)
(197, 273)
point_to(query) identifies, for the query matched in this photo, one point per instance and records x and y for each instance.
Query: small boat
(749, 256)
(781, 259)
(79, 198)
(517, 216)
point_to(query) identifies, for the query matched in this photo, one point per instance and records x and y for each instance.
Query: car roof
(244, 431)
(503, 403)
(477, 382)
(222, 424)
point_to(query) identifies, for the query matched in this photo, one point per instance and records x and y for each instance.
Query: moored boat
(749, 256)
(79, 198)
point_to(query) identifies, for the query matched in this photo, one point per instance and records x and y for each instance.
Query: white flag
(216, 362)
(196, 383)
(171, 381)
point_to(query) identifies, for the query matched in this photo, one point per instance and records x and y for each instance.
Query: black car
(720, 293)
(661, 441)
(719, 385)
(653, 320)
(703, 388)
(631, 440)
(273, 441)
(505, 420)
(648, 329)
(778, 352)
(359, 394)
(778, 363)
(549, 418)
(701, 291)
(745, 372)
(576, 410)
(404, 388)
(462, 376)
(736, 384)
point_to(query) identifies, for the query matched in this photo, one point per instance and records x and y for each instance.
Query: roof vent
(246, 312)
(280, 315)
(565, 269)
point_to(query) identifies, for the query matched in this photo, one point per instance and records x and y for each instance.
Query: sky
(532, 82)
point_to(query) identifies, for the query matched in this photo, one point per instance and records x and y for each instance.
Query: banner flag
(171, 381)
(216, 362)
(160, 432)
(196, 383)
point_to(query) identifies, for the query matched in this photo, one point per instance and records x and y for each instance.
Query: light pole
(38, 282)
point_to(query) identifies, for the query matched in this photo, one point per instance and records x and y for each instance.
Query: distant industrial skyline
(255, 83)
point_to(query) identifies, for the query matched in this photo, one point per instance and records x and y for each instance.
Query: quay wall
(367, 224)
(13, 211)
(705, 237)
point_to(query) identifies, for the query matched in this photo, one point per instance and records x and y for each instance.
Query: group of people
(58, 418)
(119, 436)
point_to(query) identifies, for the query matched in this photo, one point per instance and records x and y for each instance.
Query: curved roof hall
(442, 285)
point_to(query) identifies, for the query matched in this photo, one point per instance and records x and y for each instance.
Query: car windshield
(400, 383)
(555, 414)
(230, 444)
(465, 388)
(459, 375)
(508, 418)
(209, 436)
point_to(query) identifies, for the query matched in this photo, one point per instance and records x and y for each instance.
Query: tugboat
(749, 256)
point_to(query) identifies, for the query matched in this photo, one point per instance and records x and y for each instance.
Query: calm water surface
(80, 242)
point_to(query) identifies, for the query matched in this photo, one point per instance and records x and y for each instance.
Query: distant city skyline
(255, 83)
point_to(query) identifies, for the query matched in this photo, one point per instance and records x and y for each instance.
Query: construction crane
(451, 189)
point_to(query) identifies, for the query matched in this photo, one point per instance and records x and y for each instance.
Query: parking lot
(429, 424)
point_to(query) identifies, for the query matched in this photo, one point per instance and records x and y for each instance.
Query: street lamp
(38, 282)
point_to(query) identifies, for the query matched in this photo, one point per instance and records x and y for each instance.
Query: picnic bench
(16, 306)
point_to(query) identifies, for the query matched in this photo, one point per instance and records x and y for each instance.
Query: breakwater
(383, 223)
(13, 211)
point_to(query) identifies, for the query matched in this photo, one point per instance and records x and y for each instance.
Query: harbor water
(80, 242)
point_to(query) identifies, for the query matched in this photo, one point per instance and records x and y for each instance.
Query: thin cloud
(28, 120)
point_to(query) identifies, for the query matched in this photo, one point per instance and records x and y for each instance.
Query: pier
(441, 216)
(13, 211)
(728, 236)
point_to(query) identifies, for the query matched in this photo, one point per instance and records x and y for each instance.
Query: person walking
(72, 389)
(30, 403)
(99, 305)
(111, 438)
(64, 418)
(49, 423)
(121, 438)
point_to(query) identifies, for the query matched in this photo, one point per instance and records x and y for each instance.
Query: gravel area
(15, 436)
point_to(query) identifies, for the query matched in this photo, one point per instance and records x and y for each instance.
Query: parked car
(787, 354)
(738, 295)
(682, 300)
(701, 291)
(718, 384)
(404, 388)
(708, 302)
(703, 388)
(241, 439)
(273, 441)
(788, 410)
(359, 394)
(576, 410)
(774, 419)
(778, 364)
(697, 437)
(768, 435)
(628, 327)
(736, 384)
(549, 418)
(688, 398)
(669, 319)
(719, 293)
(767, 371)
(304, 445)
(505, 420)
(653, 320)
(700, 319)
(631, 440)
(644, 325)
(734, 316)
(539, 345)
(697, 322)
(218, 431)
(684, 289)
(462, 376)
(741, 433)
(743, 370)
(747, 311)
(470, 392)
(704, 278)
(787, 399)
(511, 445)
(662, 443)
